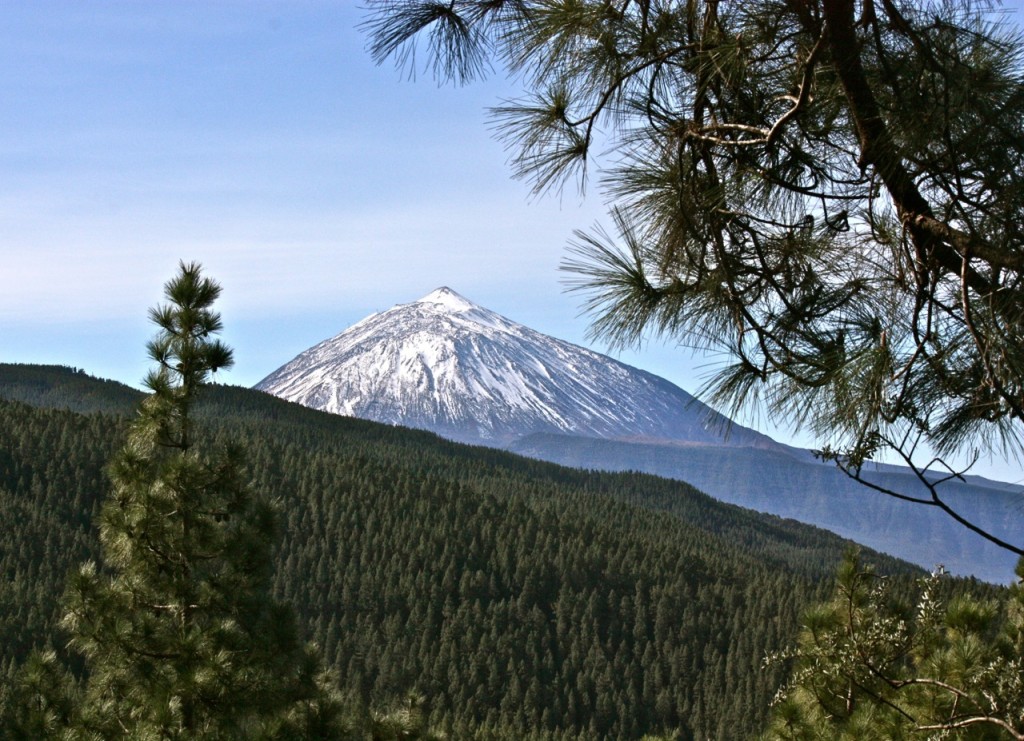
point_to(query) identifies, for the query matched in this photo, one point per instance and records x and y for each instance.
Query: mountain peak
(449, 299)
(451, 366)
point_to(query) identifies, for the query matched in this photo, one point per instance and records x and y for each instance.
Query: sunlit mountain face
(450, 366)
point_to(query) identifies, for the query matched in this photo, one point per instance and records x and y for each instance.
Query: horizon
(260, 139)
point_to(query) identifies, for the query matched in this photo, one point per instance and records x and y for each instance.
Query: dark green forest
(519, 599)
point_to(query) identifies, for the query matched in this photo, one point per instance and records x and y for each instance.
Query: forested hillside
(57, 387)
(517, 597)
(819, 493)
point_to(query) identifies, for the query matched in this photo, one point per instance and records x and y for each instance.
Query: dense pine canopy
(513, 595)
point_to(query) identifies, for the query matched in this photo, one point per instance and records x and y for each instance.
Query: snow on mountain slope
(448, 365)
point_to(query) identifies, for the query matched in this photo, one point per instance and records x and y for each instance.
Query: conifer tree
(180, 636)
(868, 667)
(41, 703)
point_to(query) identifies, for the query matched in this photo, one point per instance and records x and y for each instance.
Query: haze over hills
(447, 365)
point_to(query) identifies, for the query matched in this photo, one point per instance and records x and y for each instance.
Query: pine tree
(179, 633)
(41, 703)
(868, 666)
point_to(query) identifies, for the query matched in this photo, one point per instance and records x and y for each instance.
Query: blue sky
(258, 138)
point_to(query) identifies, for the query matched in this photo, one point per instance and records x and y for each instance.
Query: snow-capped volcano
(448, 365)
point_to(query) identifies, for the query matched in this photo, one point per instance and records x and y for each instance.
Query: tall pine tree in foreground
(180, 636)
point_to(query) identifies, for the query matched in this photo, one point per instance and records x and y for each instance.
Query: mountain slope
(60, 387)
(820, 494)
(447, 365)
(514, 594)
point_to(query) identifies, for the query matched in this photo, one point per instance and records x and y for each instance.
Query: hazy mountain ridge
(819, 494)
(62, 387)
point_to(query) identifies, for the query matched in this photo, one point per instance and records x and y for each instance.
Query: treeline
(520, 599)
(60, 387)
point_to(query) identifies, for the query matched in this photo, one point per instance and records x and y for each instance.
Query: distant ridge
(62, 387)
(820, 494)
